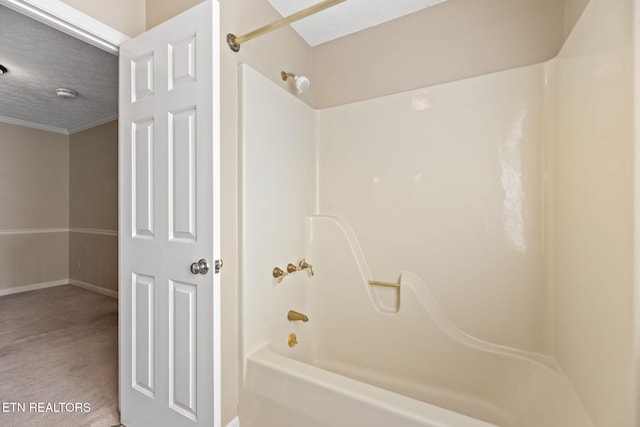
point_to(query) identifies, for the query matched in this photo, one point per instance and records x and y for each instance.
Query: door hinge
(218, 265)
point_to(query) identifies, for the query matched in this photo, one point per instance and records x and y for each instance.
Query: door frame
(69, 20)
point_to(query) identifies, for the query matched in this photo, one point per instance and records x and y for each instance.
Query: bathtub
(391, 357)
(294, 393)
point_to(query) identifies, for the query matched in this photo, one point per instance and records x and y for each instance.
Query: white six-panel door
(169, 216)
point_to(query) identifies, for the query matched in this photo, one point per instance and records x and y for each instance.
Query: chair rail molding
(100, 231)
(69, 20)
(19, 231)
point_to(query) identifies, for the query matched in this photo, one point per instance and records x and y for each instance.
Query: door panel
(182, 172)
(182, 367)
(169, 219)
(143, 371)
(142, 77)
(182, 66)
(142, 178)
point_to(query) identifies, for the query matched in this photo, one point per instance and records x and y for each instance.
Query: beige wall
(158, 11)
(450, 41)
(33, 259)
(93, 206)
(126, 16)
(594, 213)
(50, 183)
(93, 178)
(573, 10)
(34, 176)
(93, 260)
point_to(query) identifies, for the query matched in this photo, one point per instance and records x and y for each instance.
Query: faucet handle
(292, 268)
(304, 265)
(279, 274)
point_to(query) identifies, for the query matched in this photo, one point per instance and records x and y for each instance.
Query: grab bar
(388, 284)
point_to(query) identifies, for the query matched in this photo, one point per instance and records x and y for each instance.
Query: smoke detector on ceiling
(66, 93)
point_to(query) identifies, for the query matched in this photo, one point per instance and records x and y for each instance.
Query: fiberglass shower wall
(446, 181)
(511, 195)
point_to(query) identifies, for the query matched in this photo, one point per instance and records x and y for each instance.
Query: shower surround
(502, 204)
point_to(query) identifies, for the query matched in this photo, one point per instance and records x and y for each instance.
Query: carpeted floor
(58, 359)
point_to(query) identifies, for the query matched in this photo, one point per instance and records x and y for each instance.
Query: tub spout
(294, 315)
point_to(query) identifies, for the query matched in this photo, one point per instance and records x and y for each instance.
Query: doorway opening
(58, 224)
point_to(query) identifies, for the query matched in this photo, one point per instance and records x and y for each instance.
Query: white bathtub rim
(474, 403)
(394, 403)
(234, 422)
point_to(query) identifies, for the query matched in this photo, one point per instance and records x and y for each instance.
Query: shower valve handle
(279, 274)
(304, 265)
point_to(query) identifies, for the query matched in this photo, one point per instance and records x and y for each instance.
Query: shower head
(302, 82)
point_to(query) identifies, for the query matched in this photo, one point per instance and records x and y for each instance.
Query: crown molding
(33, 125)
(63, 131)
(92, 124)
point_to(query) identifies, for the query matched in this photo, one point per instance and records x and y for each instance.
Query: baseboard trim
(234, 422)
(33, 287)
(61, 282)
(93, 288)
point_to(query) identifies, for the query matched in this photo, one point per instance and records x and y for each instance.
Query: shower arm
(234, 41)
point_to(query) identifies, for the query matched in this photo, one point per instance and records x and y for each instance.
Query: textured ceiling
(41, 59)
(346, 18)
